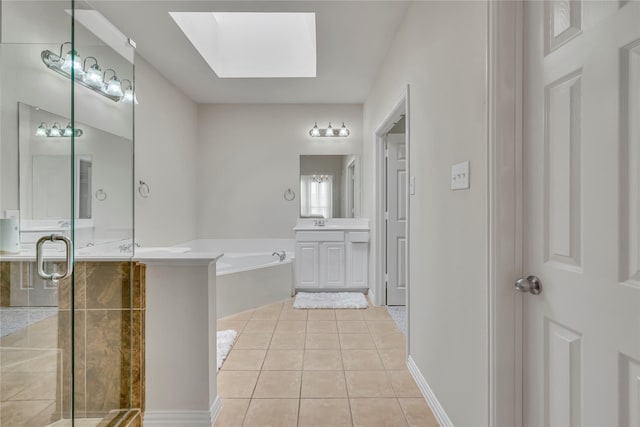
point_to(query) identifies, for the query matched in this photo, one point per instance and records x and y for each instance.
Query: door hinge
(386, 277)
(386, 216)
(386, 152)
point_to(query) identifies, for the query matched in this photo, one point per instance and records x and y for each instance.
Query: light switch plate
(460, 176)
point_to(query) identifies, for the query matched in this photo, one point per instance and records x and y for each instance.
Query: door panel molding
(563, 375)
(630, 164)
(562, 167)
(563, 22)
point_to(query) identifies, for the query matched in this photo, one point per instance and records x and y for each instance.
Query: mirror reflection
(102, 169)
(329, 186)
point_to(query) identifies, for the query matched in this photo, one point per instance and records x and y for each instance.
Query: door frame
(505, 72)
(401, 106)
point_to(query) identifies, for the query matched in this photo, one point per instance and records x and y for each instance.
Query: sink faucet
(319, 222)
(282, 255)
(126, 247)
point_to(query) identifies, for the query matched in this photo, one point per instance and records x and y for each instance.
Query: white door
(582, 213)
(397, 219)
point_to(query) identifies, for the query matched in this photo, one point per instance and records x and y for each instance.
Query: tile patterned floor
(318, 368)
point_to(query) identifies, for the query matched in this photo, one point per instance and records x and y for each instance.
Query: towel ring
(289, 195)
(101, 195)
(143, 189)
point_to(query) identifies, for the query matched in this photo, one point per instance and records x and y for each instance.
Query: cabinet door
(332, 265)
(357, 265)
(307, 265)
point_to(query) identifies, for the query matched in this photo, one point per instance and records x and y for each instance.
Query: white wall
(166, 159)
(249, 155)
(440, 52)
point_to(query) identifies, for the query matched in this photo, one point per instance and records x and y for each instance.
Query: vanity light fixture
(113, 87)
(129, 96)
(329, 132)
(92, 77)
(344, 132)
(42, 130)
(320, 178)
(314, 130)
(56, 131)
(71, 60)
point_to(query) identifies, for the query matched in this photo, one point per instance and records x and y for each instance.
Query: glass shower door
(66, 218)
(36, 207)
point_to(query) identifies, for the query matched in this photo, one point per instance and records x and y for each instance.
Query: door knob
(530, 284)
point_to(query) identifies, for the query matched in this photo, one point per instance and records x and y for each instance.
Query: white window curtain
(316, 197)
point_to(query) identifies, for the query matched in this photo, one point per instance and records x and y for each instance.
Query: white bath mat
(224, 340)
(330, 300)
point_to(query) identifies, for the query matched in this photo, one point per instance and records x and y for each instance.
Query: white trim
(433, 402)
(399, 107)
(215, 409)
(178, 418)
(504, 208)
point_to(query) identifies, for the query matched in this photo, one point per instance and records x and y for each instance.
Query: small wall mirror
(329, 186)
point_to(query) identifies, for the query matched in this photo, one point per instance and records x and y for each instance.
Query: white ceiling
(352, 39)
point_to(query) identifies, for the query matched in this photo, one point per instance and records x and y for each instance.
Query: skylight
(253, 45)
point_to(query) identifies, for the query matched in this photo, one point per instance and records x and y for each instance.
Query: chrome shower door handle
(40, 257)
(530, 284)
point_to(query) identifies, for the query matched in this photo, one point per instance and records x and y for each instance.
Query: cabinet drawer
(320, 236)
(358, 236)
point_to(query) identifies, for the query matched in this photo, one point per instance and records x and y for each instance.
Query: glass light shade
(72, 59)
(55, 130)
(343, 130)
(129, 97)
(93, 76)
(68, 131)
(329, 131)
(314, 130)
(42, 130)
(114, 88)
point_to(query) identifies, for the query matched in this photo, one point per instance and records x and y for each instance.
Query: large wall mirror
(329, 186)
(102, 173)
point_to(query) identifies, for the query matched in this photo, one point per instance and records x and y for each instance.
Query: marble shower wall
(109, 302)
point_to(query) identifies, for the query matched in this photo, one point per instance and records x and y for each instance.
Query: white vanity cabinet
(331, 259)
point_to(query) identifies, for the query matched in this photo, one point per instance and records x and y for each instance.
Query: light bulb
(329, 131)
(68, 131)
(129, 97)
(72, 59)
(93, 76)
(114, 88)
(42, 130)
(55, 130)
(314, 130)
(343, 130)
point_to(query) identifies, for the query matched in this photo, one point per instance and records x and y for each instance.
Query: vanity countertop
(333, 224)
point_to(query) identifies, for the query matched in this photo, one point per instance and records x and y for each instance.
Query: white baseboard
(437, 409)
(215, 409)
(178, 418)
(372, 296)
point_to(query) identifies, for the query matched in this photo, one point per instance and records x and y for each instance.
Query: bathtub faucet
(282, 255)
